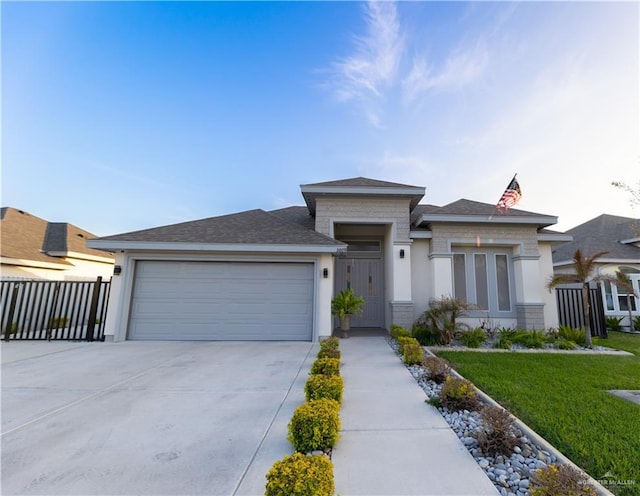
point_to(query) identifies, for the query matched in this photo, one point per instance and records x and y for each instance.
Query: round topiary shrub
(324, 386)
(329, 353)
(301, 475)
(412, 353)
(315, 425)
(554, 480)
(458, 394)
(326, 366)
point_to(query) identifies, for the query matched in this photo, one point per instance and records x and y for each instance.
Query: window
(484, 278)
(618, 299)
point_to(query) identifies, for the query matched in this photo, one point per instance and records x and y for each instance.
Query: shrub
(412, 353)
(554, 480)
(565, 344)
(58, 322)
(442, 315)
(531, 339)
(331, 343)
(326, 366)
(506, 338)
(636, 323)
(324, 386)
(458, 394)
(577, 335)
(315, 425)
(473, 339)
(613, 323)
(497, 436)
(426, 336)
(403, 340)
(301, 475)
(437, 368)
(329, 353)
(399, 331)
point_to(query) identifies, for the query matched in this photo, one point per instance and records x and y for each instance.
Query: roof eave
(309, 193)
(35, 263)
(212, 247)
(540, 221)
(555, 237)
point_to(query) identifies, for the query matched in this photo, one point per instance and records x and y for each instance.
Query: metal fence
(54, 310)
(570, 311)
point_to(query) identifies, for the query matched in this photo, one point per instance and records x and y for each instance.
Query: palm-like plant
(583, 272)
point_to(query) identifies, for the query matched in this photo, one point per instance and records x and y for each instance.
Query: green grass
(564, 399)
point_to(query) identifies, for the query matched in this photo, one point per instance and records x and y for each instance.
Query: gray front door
(365, 277)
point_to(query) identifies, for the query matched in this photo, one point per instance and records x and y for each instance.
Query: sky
(120, 116)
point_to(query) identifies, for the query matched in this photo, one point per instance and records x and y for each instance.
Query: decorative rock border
(510, 475)
(598, 351)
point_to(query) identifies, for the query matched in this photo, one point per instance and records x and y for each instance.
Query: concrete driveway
(147, 418)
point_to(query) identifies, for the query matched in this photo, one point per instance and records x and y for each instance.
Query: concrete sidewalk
(392, 442)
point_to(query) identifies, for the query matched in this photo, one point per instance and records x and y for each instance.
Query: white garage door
(222, 301)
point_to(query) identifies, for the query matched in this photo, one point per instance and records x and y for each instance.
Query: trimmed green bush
(326, 366)
(331, 343)
(301, 475)
(324, 386)
(474, 338)
(399, 331)
(613, 323)
(315, 425)
(458, 394)
(555, 480)
(329, 353)
(404, 340)
(412, 353)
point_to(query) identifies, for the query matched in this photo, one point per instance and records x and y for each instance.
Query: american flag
(510, 197)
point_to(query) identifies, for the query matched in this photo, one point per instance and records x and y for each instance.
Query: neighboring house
(33, 248)
(620, 238)
(259, 275)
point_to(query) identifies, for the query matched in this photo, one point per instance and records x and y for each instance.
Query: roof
(464, 210)
(30, 238)
(252, 227)
(360, 186)
(603, 233)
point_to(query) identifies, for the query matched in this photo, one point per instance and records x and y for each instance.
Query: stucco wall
(524, 238)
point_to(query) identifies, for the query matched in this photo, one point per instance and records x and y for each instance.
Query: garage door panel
(222, 301)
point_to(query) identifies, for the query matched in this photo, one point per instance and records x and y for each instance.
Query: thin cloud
(365, 74)
(462, 68)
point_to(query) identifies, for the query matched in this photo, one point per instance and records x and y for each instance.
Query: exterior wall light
(325, 273)
(117, 270)
(401, 253)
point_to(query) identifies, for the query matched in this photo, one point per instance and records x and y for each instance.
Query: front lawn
(564, 399)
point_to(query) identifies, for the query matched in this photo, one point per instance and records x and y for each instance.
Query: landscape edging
(602, 491)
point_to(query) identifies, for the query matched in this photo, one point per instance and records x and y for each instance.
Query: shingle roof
(361, 182)
(27, 237)
(249, 227)
(602, 233)
(464, 207)
(297, 215)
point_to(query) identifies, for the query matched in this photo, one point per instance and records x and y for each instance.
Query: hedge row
(315, 426)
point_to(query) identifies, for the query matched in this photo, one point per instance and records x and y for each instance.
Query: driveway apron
(147, 418)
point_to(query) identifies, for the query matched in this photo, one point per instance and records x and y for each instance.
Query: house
(260, 275)
(33, 248)
(620, 238)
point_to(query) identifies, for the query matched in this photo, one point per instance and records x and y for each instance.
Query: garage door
(222, 301)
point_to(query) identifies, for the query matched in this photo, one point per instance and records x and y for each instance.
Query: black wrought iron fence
(54, 310)
(570, 311)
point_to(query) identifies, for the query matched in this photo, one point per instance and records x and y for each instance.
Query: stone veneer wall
(388, 209)
(401, 313)
(530, 316)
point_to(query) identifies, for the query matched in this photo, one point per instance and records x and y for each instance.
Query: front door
(364, 275)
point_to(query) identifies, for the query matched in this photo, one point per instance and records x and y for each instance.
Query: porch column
(442, 270)
(401, 302)
(529, 300)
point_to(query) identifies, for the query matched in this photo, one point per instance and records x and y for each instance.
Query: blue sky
(122, 116)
